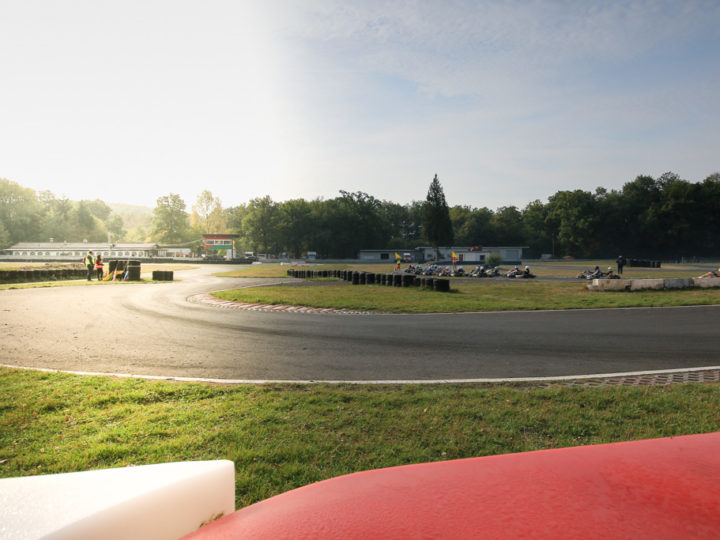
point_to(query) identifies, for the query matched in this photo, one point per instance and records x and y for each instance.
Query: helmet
(609, 267)
(527, 268)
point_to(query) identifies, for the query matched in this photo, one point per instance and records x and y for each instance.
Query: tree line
(29, 216)
(665, 217)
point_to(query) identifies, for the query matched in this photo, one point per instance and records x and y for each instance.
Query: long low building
(465, 254)
(77, 250)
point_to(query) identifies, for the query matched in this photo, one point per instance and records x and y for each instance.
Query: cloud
(481, 48)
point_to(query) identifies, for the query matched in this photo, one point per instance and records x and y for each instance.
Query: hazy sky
(507, 102)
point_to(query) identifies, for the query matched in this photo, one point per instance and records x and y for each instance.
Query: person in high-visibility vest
(99, 267)
(90, 264)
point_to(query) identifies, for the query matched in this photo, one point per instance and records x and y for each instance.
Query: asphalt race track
(152, 329)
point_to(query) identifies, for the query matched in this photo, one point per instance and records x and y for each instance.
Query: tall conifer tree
(437, 227)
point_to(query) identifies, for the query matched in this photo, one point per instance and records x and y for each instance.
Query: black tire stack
(133, 270)
(162, 275)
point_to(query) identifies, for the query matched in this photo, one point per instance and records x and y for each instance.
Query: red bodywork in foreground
(662, 488)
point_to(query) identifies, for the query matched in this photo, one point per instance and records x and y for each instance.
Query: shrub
(494, 259)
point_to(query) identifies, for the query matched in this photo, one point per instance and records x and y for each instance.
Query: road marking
(633, 378)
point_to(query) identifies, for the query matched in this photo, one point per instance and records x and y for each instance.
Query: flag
(397, 256)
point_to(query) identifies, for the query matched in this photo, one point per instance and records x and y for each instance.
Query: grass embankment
(284, 436)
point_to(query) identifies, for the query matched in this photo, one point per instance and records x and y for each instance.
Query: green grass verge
(284, 436)
(485, 295)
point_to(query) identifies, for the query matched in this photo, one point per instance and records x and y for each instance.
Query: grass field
(284, 436)
(468, 295)
(558, 269)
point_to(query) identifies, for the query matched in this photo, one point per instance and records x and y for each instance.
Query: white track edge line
(370, 382)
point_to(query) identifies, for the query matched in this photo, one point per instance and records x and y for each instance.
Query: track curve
(153, 330)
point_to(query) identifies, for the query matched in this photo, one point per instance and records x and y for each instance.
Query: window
(384, 256)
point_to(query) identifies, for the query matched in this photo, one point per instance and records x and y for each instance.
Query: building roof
(80, 246)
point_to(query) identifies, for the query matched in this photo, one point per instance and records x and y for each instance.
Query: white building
(64, 251)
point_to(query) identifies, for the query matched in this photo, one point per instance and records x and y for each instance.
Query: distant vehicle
(407, 257)
(311, 255)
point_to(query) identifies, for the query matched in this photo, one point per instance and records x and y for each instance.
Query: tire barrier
(441, 285)
(42, 274)
(162, 275)
(353, 276)
(133, 273)
(644, 263)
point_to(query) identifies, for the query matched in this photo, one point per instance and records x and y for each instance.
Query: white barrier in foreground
(169, 500)
(656, 284)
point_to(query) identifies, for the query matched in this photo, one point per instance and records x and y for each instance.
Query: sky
(506, 101)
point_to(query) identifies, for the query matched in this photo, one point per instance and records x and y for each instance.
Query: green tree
(99, 209)
(116, 227)
(508, 225)
(260, 225)
(536, 231)
(170, 220)
(4, 237)
(708, 212)
(19, 213)
(361, 224)
(575, 217)
(404, 228)
(295, 226)
(207, 214)
(86, 225)
(56, 217)
(460, 217)
(437, 226)
(234, 217)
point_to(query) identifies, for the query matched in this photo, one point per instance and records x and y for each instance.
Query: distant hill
(133, 215)
(137, 219)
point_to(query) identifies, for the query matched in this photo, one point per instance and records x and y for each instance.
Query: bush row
(395, 279)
